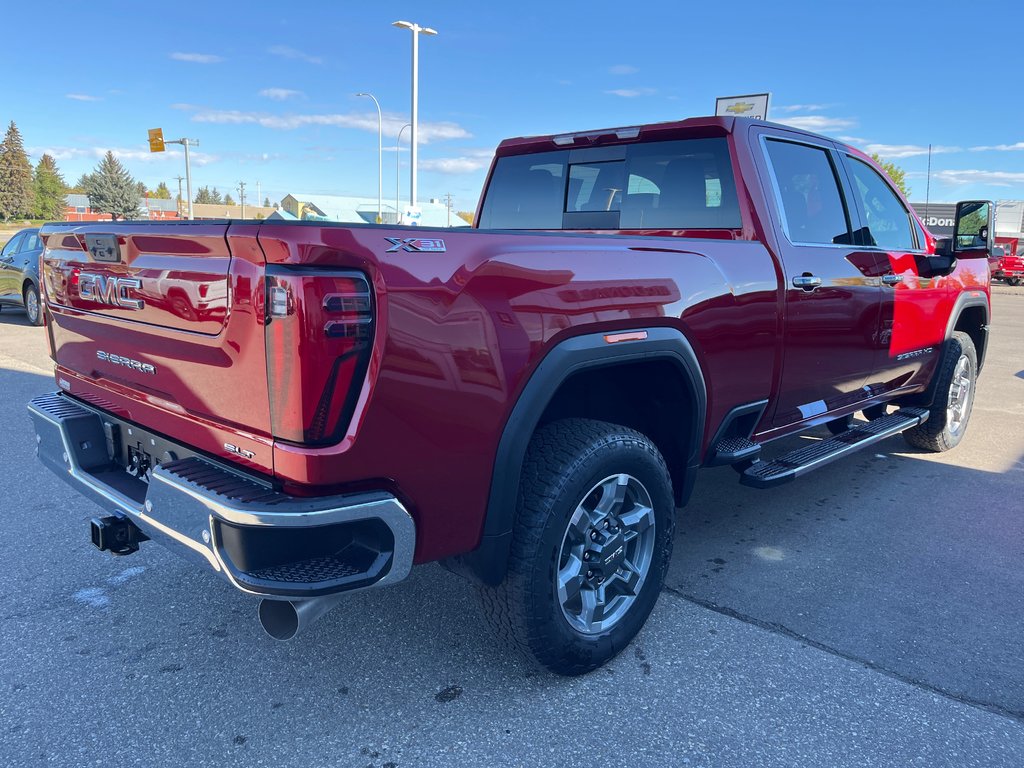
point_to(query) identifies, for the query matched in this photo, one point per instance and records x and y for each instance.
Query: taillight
(319, 334)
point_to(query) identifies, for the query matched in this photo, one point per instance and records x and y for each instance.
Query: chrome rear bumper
(263, 541)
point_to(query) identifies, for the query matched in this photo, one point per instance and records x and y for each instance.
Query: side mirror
(974, 229)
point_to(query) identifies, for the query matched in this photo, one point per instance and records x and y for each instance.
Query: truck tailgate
(162, 324)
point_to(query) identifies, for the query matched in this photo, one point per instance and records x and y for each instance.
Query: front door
(832, 287)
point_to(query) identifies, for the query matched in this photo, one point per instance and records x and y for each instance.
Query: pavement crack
(780, 629)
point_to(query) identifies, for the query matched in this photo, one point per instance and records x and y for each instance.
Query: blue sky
(268, 88)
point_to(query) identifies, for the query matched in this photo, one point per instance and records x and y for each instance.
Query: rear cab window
(667, 185)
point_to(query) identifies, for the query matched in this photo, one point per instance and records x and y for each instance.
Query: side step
(766, 474)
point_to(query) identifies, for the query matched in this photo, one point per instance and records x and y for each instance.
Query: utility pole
(180, 179)
(448, 205)
(241, 196)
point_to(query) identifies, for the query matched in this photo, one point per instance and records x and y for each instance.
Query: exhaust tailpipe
(284, 619)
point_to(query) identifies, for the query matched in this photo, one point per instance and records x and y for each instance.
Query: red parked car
(527, 401)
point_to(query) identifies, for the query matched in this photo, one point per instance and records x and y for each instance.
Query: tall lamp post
(380, 156)
(416, 29)
(188, 169)
(398, 172)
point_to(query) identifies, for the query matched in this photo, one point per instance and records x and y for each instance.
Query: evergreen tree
(215, 197)
(228, 200)
(16, 188)
(266, 202)
(79, 187)
(50, 189)
(162, 192)
(141, 188)
(112, 189)
(203, 196)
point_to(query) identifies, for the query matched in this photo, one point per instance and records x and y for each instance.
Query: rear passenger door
(832, 286)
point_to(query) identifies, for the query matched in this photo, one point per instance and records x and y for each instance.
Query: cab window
(886, 221)
(808, 191)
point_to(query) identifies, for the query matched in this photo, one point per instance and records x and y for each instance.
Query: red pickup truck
(307, 408)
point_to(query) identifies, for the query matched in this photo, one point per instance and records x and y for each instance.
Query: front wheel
(1014, 281)
(33, 307)
(590, 547)
(957, 376)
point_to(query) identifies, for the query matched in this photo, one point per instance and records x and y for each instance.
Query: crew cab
(527, 401)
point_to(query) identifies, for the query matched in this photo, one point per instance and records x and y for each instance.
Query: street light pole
(398, 172)
(416, 29)
(380, 157)
(188, 169)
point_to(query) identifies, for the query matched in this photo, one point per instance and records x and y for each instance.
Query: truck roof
(689, 128)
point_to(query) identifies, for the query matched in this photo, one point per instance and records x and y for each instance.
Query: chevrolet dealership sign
(754, 105)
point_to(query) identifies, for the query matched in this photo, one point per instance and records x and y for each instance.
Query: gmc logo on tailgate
(110, 290)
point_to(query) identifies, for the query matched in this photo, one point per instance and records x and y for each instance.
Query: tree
(205, 197)
(79, 187)
(897, 174)
(112, 189)
(16, 188)
(162, 192)
(228, 200)
(266, 202)
(215, 197)
(50, 190)
(143, 191)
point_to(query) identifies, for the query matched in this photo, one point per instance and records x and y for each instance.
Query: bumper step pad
(766, 474)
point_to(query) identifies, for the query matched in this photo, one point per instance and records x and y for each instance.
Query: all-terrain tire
(566, 463)
(951, 407)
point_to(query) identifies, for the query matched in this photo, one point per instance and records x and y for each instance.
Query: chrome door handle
(892, 279)
(807, 282)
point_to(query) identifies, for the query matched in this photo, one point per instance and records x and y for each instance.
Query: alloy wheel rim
(32, 306)
(606, 554)
(959, 395)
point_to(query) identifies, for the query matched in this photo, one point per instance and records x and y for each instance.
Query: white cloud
(121, 153)
(82, 97)
(897, 151)
(197, 58)
(287, 52)
(631, 93)
(818, 122)
(1018, 147)
(799, 108)
(392, 124)
(454, 165)
(280, 94)
(623, 69)
(995, 178)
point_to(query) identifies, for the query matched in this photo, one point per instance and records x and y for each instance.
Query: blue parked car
(19, 274)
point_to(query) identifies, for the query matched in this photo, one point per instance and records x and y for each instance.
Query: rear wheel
(590, 548)
(33, 307)
(1014, 281)
(954, 398)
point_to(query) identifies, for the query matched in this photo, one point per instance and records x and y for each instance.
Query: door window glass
(31, 242)
(809, 192)
(12, 245)
(887, 223)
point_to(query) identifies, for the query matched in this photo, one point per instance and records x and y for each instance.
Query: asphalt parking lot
(871, 614)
